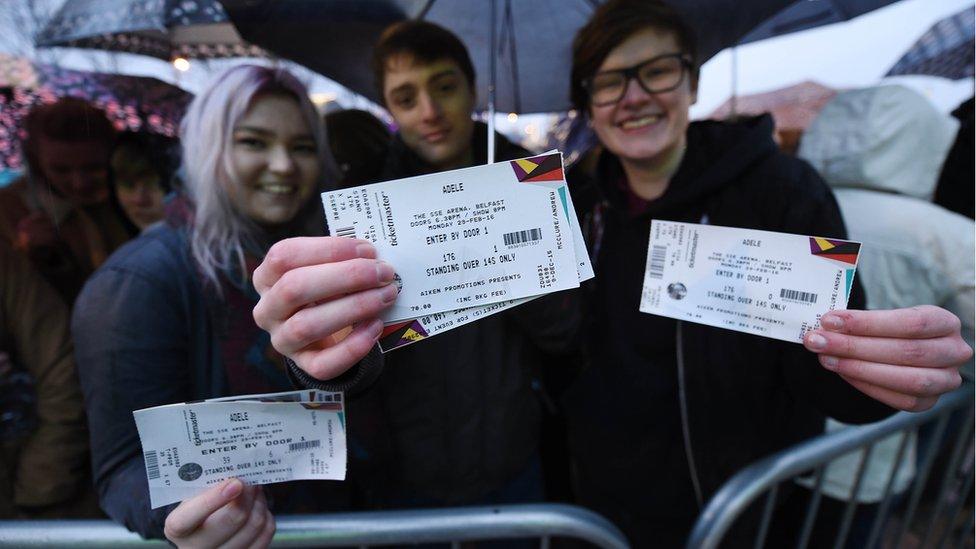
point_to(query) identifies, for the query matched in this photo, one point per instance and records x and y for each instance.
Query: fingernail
(831, 322)
(232, 489)
(389, 293)
(366, 250)
(384, 272)
(829, 362)
(816, 342)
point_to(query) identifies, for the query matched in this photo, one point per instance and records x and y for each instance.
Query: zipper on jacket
(685, 426)
(683, 404)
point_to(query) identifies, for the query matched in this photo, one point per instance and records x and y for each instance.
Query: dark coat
(146, 334)
(461, 407)
(745, 396)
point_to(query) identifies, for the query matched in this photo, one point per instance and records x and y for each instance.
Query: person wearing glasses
(666, 411)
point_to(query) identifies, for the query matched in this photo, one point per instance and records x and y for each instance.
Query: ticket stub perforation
(260, 439)
(760, 282)
(468, 237)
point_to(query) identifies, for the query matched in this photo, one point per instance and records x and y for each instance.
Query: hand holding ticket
(759, 282)
(459, 244)
(260, 439)
(468, 237)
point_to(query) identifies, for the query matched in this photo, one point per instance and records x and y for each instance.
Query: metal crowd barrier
(454, 525)
(764, 477)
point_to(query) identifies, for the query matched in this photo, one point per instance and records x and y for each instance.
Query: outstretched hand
(905, 358)
(320, 301)
(230, 514)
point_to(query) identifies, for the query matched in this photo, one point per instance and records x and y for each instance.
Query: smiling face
(432, 104)
(274, 159)
(642, 128)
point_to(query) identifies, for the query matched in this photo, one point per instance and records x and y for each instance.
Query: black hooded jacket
(743, 396)
(461, 408)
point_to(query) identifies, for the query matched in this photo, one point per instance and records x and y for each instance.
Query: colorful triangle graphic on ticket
(837, 250)
(548, 167)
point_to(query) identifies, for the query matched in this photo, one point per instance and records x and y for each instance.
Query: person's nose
(634, 94)
(81, 179)
(144, 195)
(430, 109)
(281, 161)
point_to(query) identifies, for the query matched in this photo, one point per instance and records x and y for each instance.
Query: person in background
(462, 411)
(881, 149)
(168, 318)
(955, 190)
(44, 465)
(359, 142)
(142, 171)
(673, 409)
(60, 213)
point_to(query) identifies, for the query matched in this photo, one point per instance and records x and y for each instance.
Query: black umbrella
(532, 38)
(945, 50)
(166, 29)
(521, 50)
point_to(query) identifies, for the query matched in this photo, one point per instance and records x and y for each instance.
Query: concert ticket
(260, 439)
(402, 333)
(759, 282)
(468, 237)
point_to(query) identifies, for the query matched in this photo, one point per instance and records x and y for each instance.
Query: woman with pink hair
(168, 317)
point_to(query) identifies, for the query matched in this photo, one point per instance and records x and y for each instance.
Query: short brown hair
(610, 25)
(423, 40)
(68, 119)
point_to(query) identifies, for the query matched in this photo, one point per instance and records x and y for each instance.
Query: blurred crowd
(138, 270)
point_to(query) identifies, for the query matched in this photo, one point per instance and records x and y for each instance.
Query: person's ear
(694, 87)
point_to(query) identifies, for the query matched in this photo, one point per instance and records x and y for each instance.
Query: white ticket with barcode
(468, 237)
(760, 282)
(403, 333)
(260, 439)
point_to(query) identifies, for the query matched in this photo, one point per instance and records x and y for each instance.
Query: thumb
(190, 514)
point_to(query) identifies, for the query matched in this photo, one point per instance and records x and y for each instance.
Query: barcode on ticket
(521, 237)
(304, 445)
(152, 465)
(658, 256)
(348, 232)
(796, 295)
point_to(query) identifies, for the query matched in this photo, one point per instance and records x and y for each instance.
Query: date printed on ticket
(759, 282)
(261, 439)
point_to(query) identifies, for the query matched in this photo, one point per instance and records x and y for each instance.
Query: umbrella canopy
(133, 103)
(533, 45)
(945, 50)
(804, 14)
(792, 107)
(166, 29)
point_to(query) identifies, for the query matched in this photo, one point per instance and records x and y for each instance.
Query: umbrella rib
(423, 12)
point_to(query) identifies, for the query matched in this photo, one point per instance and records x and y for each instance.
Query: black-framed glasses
(656, 75)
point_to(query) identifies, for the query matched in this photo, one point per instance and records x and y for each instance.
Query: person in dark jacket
(358, 141)
(461, 408)
(60, 213)
(167, 318)
(955, 191)
(666, 411)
